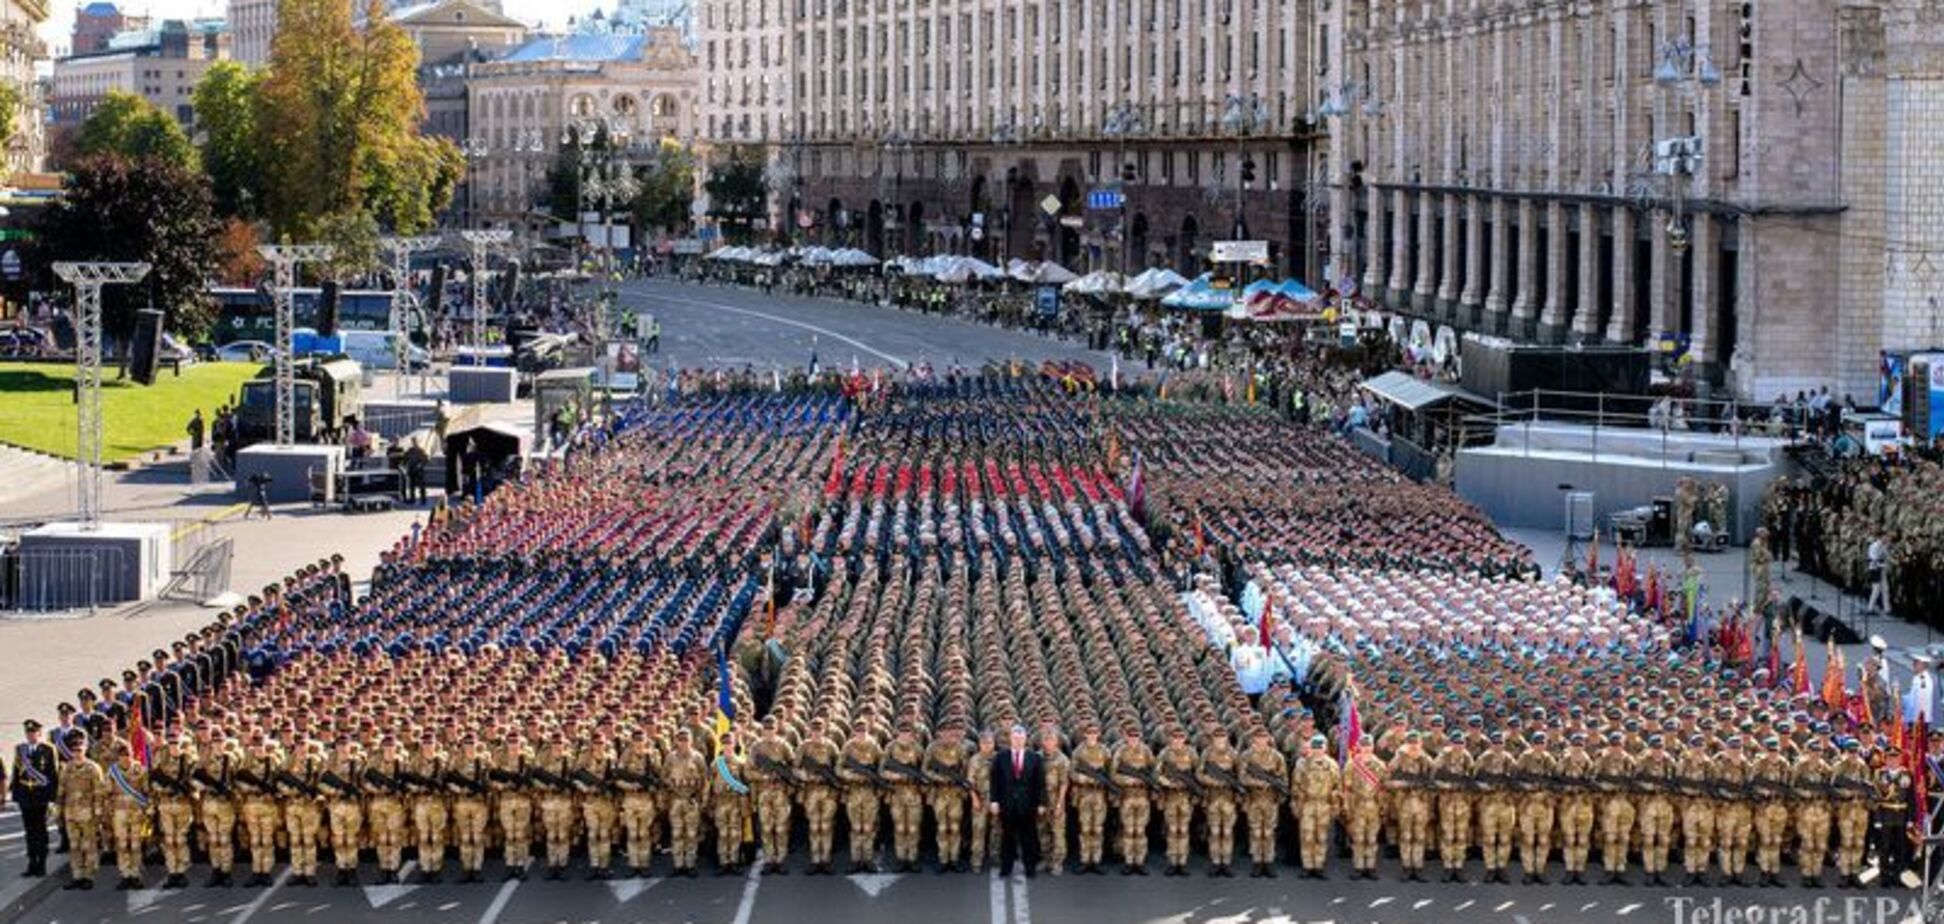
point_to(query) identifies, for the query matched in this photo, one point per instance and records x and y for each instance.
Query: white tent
(1155, 283)
(1098, 282)
(960, 270)
(1050, 273)
(851, 256)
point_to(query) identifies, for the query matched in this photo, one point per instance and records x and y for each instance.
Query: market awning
(1414, 394)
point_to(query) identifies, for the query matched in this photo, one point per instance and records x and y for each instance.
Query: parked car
(376, 349)
(245, 351)
(25, 341)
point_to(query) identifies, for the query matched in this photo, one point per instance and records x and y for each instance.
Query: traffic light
(1128, 173)
(1248, 171)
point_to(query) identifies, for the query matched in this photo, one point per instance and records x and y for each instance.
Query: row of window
(1150, 15)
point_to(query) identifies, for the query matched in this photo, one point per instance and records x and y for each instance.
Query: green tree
(130, 126)
(152, 210)
(565, 176)
(353, 237)
(337, 123)
(667, 190)
(735, 186)
(226, 125)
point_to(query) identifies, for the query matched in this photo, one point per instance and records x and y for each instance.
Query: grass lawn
(37, 406)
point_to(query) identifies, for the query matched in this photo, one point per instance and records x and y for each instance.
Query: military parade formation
(799, 626)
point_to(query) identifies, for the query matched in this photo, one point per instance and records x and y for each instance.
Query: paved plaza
(719, 326)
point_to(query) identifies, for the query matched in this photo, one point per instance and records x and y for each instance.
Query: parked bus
(248, 314)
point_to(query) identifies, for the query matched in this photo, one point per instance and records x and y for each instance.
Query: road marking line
(747, 906)
(17, 835)
(998, 898)
(1466, 904)
(1022, 909)
(779, 319)
(250, 910)
(1504, 905)
(499, 902)
(1381, 901)
(1630, 909)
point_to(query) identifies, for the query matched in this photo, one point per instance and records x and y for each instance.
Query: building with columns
(1501, 166)
(919, 126)
(1495, 165)
(641, 86)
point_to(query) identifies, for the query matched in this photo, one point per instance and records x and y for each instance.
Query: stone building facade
(21, 49)
(1493, 165)
(643, 86)
(922, 126)
(161, 65)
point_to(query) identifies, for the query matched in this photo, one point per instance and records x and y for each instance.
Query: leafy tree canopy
(129, 126)
(151, 210)
(226, 127)
(337, 123)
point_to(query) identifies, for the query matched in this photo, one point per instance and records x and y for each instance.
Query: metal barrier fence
(1628, 417)
(203, 576)
(48, 580)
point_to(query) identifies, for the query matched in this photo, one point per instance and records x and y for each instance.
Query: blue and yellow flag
(725, 703)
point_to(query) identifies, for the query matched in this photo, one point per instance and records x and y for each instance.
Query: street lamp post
(1005, 136)
(1245, 116)
(894, 145)
(1341, 102)
(1123, 120)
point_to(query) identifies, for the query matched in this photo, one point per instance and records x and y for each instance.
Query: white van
(375, 349)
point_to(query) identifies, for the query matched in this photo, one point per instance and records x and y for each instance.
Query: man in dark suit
(1018, 797)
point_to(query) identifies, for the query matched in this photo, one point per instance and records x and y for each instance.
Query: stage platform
(1517, 479)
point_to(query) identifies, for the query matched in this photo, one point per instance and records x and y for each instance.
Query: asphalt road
(934, 898)
(730, 326)
(714, 325)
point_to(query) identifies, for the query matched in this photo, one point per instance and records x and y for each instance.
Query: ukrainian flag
(725, 703)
